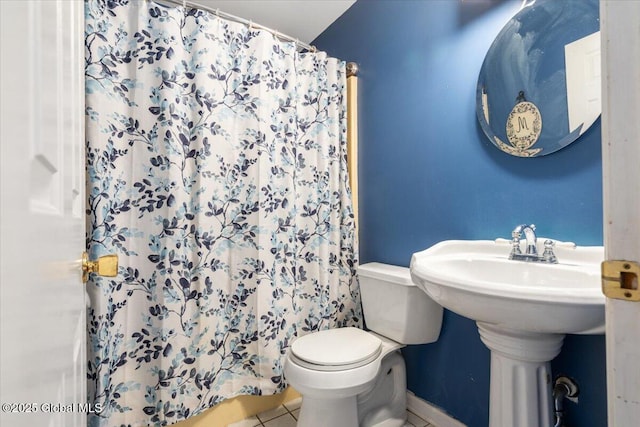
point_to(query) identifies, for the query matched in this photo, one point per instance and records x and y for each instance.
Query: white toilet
(349, 377)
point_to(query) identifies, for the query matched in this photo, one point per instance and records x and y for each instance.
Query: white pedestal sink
(523, 311)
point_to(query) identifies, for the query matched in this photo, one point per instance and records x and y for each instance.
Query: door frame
(620, 33)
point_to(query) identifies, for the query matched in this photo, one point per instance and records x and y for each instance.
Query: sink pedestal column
(520, 393)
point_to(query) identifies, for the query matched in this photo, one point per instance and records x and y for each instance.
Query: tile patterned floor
(287, 414)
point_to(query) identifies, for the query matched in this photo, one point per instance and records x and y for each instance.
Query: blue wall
(428, 173)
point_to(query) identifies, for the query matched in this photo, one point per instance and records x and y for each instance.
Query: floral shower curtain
(217, 172)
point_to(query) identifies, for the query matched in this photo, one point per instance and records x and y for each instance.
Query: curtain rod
(250, 24)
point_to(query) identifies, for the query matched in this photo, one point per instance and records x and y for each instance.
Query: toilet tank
(395, 307)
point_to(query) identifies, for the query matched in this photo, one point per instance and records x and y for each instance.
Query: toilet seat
(336, 349)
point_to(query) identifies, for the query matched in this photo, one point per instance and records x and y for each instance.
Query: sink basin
(523, 311)
(475, 279)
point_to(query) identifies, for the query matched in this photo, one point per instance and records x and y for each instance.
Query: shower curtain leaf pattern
(217, 170)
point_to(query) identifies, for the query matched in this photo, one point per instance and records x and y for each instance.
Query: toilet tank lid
(387, 272)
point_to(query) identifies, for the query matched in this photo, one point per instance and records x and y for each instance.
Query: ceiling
(301, 19)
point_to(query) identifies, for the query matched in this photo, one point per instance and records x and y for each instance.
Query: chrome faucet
(531, 250)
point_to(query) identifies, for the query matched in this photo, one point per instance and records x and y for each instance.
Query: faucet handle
(517, 232)
(515, 241)
(548, 255)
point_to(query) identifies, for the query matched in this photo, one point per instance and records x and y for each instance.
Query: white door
(621, 157)
(42, 312)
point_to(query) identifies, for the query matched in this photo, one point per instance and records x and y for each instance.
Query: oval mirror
(539, 86)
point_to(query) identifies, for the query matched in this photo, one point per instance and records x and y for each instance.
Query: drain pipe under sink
(564, 387)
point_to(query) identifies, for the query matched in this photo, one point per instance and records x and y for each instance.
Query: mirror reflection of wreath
(524, 126)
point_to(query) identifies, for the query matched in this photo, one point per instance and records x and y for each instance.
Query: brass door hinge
(620, 280)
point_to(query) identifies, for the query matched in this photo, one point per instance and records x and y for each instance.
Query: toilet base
(385, 405)
(316, 412)
(382, 404)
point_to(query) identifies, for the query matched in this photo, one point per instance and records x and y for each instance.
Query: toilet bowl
(349, 377)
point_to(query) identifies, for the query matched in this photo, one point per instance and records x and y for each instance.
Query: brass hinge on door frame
(620, 280)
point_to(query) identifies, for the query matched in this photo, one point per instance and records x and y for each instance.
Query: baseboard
(427, 411)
